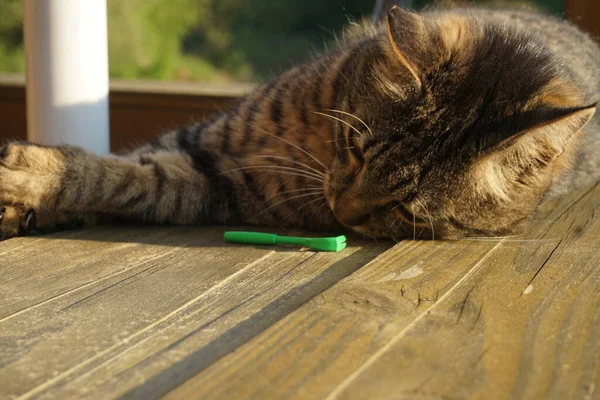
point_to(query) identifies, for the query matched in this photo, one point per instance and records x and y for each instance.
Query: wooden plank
(118, 306)
(33, 271)
(528, 325)
(308, 352)
(440, 320)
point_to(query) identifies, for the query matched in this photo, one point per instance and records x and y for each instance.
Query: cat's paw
(29, 173)
(19, 220)
(16, 221)
(15, 155)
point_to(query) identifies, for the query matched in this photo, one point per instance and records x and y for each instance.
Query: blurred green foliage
(551, 6)
(215, 40)
(12, 56)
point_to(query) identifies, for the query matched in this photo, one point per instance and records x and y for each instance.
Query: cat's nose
(351, 212)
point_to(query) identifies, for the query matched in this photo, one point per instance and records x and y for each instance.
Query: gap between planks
(84, 286)
(49, 383)
(373, 359)
(301, 370)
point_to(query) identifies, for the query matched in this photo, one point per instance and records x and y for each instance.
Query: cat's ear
(546, 133)
(404, 30)
(420, 43)
(382, 8)
(523, 157)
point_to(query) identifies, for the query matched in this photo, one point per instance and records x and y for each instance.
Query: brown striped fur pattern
(436, 125)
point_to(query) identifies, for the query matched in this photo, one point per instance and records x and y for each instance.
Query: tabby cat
(443, 124)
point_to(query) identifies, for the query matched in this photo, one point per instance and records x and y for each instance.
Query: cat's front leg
(19, 220)
(54, 184)
(31, 177)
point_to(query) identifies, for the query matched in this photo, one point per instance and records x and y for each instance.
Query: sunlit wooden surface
(145, 312)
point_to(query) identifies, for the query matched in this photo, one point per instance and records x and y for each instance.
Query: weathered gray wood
(508, 318)
(135, 312)
(307, 353)
(36, 269)
(83, 316)
(528, 326)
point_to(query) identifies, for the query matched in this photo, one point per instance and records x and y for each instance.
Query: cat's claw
(30, 221)
(16, 221)
(19, 220)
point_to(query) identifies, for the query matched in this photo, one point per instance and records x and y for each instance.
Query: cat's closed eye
(442, 124)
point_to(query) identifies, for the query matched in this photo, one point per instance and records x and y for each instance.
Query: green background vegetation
(216, 40)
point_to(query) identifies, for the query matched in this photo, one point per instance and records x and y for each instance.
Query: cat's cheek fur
(490, 203)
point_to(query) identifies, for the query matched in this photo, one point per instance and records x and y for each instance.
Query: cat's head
(468, 124)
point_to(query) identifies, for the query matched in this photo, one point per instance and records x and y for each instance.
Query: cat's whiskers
(273, 169)
(319, 209)
(389, 228)
(306, 205)
(278, 168)
(359, 133)
(428, 215)
(294, 162)
(494, 237)
(323, 205)
(414, 220)
(355, 117)
(315, 189)
(504, 239)
(294, 197)
(370, 236)
(396, 219)
(414, 223)
(290, 143)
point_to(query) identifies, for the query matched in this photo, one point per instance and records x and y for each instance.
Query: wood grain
(510, 318)
(97, 313)
(140, 312)
(536, 336)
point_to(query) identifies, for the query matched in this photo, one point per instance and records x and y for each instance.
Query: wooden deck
(145, 312)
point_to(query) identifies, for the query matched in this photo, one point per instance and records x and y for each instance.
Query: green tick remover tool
(320, 244)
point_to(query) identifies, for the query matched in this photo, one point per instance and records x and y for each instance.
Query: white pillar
(67, 73)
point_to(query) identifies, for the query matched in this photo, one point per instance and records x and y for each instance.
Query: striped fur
(443, 124)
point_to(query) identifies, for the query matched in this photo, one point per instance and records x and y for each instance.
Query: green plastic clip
(321, 244)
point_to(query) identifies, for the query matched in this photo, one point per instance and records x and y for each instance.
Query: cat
(443, 124)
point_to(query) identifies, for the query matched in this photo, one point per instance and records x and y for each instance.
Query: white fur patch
(491, 179)
(497, 175)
